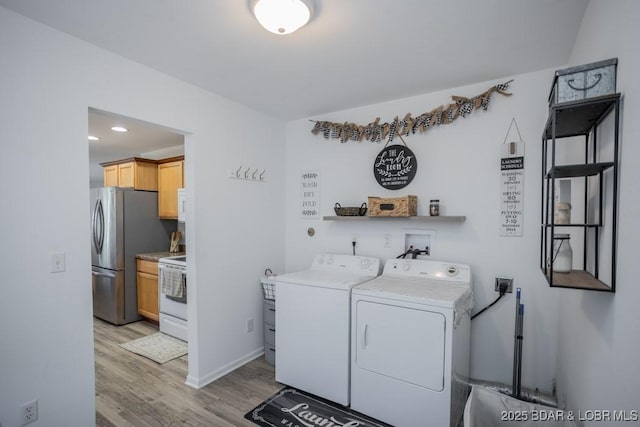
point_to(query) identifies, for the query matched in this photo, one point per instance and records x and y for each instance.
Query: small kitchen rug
(293, 408)
(158, 347)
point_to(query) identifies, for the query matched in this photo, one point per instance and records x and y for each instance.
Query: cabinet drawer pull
(272, 330)
(272, 309)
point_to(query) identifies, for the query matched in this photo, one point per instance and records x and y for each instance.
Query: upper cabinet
(170, 179)
(136, 172)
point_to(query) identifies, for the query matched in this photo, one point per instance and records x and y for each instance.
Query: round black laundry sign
(395, 167)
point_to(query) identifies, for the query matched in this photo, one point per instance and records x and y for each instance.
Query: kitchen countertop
(155, 256)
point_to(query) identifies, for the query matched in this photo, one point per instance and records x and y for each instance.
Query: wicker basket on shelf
(350, 211)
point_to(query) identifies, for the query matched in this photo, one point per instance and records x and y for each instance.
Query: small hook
(262, 174)
(238, 172)
(253, 175)
(246, 173)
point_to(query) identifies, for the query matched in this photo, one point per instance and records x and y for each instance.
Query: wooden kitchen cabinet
(147, 282)
(136, 172)
(170, 179)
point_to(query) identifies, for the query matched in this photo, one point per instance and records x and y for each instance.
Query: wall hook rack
(247, 173)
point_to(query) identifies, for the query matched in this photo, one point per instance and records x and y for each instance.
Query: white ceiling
(352, 53)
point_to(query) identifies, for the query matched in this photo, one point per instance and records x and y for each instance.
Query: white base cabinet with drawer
(270, 331)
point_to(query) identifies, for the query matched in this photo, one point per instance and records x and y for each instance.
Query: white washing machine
(313, 317)
(410, 343)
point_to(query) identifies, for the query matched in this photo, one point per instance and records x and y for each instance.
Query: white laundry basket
(488, 408)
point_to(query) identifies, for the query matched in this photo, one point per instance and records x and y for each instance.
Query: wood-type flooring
(132, 390)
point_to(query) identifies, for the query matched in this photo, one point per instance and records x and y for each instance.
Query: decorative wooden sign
(309, 194)
(395, 167)
(512, 185)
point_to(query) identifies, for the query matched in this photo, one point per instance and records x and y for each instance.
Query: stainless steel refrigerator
(124, 222)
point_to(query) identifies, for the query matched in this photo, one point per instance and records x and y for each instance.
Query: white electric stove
(173, 312)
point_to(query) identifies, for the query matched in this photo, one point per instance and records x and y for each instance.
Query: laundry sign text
(309, 206)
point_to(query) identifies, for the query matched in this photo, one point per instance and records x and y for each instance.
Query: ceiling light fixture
(93, 138)
(282, 16)
(119, 129)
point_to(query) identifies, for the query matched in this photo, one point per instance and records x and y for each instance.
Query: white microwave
(182, 194)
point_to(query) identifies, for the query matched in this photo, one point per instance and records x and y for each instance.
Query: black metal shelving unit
(569, 120)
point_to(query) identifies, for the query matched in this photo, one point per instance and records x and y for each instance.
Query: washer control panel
(434, 270)
(346, 263)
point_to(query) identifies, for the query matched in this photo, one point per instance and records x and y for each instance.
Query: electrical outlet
(504, 280)
(387, 240)
(57, 262)
(249, 325)
(29, 412)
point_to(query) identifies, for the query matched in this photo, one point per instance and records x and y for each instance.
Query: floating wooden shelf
(397, 218)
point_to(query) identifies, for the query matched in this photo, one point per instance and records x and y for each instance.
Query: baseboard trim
(196, 382)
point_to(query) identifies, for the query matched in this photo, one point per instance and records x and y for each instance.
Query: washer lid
(439, 293)
(323, 279)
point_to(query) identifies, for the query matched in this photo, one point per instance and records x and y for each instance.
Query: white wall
(234, 229)
(599, 334)
(458, 164)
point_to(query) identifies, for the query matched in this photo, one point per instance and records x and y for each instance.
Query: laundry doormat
(292, 408)
(158, 347)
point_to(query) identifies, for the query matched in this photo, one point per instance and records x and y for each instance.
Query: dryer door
(402, 343)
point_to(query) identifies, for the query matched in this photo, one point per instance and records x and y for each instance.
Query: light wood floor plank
(132, 390)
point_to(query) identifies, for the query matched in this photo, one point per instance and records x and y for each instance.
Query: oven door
(169, 305)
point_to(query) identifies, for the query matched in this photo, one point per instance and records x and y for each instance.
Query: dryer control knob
(330, 261)
(452, 270)
(406, 266)
(365, 263)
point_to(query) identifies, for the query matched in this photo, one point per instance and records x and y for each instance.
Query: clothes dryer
(313, 313)
(410, 343)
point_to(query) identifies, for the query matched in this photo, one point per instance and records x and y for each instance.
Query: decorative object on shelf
(377, 131)
(395, 167)
(512, 183)
(248, 174)
(434, 207)
(350, 211)
(282, 16)
(584, 81)
(393, 206)
(563, 213)
(562, 253)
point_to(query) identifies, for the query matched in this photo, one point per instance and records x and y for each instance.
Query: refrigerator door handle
(95, 273)
(100, 219)
(94, 222)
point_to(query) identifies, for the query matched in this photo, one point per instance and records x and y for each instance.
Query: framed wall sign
(309, 206)
(395, 167)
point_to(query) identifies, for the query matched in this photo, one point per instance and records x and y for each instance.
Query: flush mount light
(93, 138)
(119, 129)
(282, 16)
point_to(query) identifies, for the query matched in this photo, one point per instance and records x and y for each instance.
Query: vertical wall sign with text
(395, 167)
(512, 186)
(309, 194)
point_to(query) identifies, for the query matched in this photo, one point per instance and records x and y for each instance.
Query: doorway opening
(144, 163)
